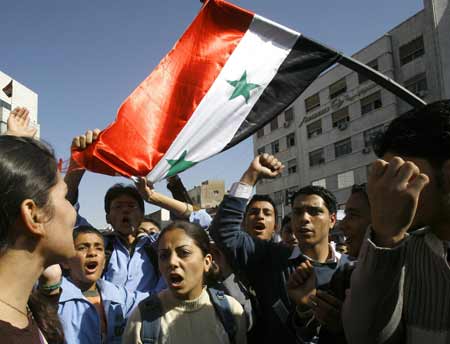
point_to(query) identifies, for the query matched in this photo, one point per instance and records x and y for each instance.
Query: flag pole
(382, 80)
(376, 77)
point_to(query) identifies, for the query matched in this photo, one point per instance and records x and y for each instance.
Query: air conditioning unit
(366, 150)
(287, 124)
(342, 126)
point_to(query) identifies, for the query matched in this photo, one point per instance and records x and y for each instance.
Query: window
(260, 132)
(316, 157)
(5, 105)
(274, 124)
(292, 166)
(289, 115)
(412, 50)
(312, 102)
(371, 103)
(340, 117)
(275, 145)
(314, 129)
(290, 140)
(278, 197)
(261, 150)
(320, 182)
(371, 134)
(372, 64)
(338, 88)
(343, 147)
(417, 84)
(289, 194)
(345, 180)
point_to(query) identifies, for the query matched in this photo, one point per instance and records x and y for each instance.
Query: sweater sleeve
(132, 333)
(372, 311)
(243, 251)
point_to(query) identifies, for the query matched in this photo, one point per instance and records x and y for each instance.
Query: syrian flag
(230, 73)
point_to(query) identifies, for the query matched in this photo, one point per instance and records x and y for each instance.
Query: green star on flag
(179, 165)
(242, 87)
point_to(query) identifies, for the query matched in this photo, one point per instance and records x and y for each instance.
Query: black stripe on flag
(301, 67)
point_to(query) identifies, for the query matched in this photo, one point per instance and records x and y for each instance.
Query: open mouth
(259, 227)
(175, 280)
(91, 267)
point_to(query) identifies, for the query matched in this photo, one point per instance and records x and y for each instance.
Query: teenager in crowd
(149, 226)
(260, 219)
(266, 264)
(36, 222)
(322, 308)
(130, 257)
(186, 312)
(287, 236)
(32, 193)
(400, 287)
(91, 310)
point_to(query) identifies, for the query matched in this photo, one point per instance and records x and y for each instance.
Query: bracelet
(51, 287)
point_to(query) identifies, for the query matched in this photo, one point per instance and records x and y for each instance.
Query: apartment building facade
(13, 94)
(325, 137)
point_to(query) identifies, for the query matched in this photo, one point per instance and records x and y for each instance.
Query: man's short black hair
(120, 189)
(86, 229)
(360, 188)
(262, 198)
(422, 133)
(325, 194)
(148, 218)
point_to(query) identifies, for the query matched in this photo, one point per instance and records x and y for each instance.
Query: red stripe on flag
(152, 116)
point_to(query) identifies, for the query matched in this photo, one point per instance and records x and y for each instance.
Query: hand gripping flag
(230, 73)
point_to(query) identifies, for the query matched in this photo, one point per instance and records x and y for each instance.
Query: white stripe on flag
(261, 51)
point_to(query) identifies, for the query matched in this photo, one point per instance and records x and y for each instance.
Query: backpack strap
(223, 310)
(151, 312)
(151, 253)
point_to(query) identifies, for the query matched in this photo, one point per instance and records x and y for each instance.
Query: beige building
(209, 194)
(325, 137)
(13, 94)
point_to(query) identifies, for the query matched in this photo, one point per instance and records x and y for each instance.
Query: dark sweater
(266, 265)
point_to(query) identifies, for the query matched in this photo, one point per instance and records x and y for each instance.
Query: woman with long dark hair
(188, 311)
(36, 223)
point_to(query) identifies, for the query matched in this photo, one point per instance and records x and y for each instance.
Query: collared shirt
(80, 319)
(335, 256)
(135, 272)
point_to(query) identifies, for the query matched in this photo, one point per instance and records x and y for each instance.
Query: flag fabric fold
(230, 73)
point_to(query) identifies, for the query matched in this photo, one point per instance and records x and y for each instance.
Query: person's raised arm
(393, 190)
(372, 310)
(180, 209)
(75, 173)
(239, 247)
(18, 123)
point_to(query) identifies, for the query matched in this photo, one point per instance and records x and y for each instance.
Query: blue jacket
(267, 266)
(80, 320)
(135, 272)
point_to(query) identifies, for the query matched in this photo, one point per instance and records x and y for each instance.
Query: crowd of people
(239, 277)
